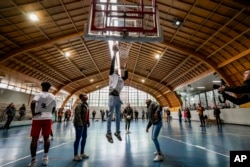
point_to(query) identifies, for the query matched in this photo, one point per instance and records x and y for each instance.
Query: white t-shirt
(115, 82)
(45, 102)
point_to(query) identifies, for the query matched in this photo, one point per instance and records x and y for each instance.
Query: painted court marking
(38, 152)
(197, 146)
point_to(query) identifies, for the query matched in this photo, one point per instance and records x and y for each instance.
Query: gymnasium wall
(228, 115)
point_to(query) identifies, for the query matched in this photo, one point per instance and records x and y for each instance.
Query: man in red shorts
(42, 107)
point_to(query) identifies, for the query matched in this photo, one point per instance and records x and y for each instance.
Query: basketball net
(124, 48)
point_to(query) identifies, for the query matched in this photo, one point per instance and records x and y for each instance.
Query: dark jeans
(7, 124)
(180, 119)
(81, 133)
(127, 125)
(202, 120)
(21, 116)
(218, 120)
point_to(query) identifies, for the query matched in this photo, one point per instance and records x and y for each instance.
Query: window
(128, 94)
(203, 100)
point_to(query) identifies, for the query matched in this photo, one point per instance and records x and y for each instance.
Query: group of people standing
(43, 105)
(11, 113)
(202, 117)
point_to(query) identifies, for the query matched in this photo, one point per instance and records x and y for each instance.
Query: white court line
(197, 146)
(38, 152)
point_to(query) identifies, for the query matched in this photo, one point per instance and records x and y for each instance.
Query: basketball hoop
(124, 48)
(123, 22)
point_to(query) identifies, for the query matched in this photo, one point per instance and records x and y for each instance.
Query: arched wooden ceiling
(214, 37)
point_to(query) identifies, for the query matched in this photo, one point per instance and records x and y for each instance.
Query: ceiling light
(91, 80)
(217, 81)
(67, 54)
(142, 80)
(157, 56)
(200, 87)
(177, 22)
(33, 17)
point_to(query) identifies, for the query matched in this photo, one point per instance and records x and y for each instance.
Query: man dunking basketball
(116, 84)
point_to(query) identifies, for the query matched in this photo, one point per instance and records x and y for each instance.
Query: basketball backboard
(123, 22)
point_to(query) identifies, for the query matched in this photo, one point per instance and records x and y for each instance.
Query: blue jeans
(155, 133)
(114, 105)
(81, 132)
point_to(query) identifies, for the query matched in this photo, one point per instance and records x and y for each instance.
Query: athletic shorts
(38, 125)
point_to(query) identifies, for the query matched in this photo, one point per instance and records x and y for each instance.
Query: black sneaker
(109, 137)
(118, 136)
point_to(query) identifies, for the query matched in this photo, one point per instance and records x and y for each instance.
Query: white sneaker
(155, 153)
(77, 158)
(33, 163)
(45, 161)
(84, 155)
(158, 158)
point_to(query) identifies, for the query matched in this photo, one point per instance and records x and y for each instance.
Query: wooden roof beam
(228, 61)
(39, 45)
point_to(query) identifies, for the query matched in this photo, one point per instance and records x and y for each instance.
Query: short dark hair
(81, 96)
(46, 85)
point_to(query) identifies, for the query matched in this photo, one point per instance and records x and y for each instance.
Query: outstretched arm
(112, 67)
(237, 89)
(238, 101)
(125, 72)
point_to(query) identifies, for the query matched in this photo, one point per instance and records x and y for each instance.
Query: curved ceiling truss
(213, 38)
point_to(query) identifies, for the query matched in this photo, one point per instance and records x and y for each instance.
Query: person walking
(127, 113)
(42, 107)
(143, 114)
(116, 84)
(185, 114)
(93, 115)
(154, 112)
(81, 124)
(188, 115)
(168, 115)
(217, 115)
(180, 115)
(60, 115)
(200, 111)
(22, 112)
(136, 114)
(11, 112)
